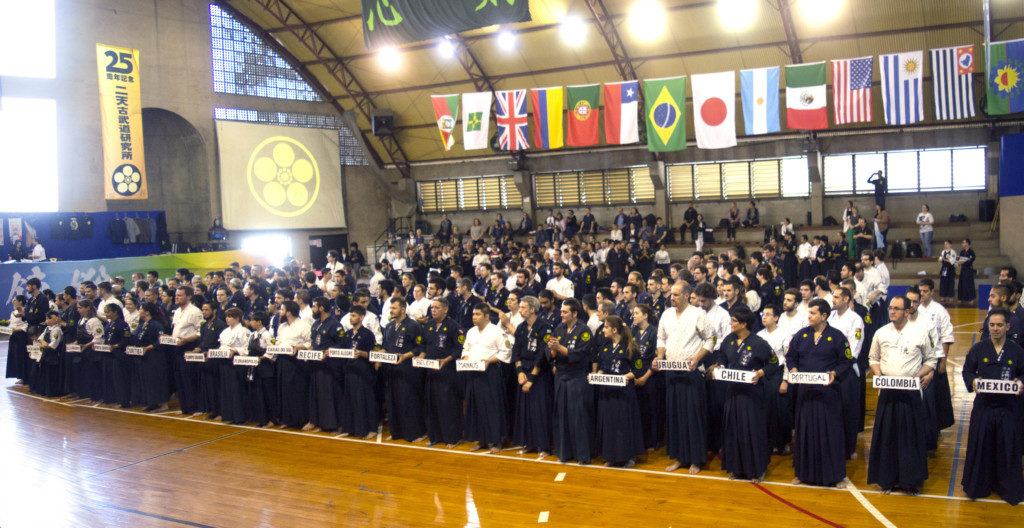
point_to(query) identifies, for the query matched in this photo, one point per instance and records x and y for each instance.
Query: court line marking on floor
(173, 451)
(956, 449)
(560, 477)
(154, 516)
(867, 505)
(969, 324)
(543, 517)
(795, 507)
(506, 457)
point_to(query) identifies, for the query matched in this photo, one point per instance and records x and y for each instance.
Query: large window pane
(764, 178)
(901, 169)
(936, 170)
(736, 177)
(969, 169)
(838, 174)
(680, 183)
(28, 146)
(795, 180)
(708, 178)
(864, 166)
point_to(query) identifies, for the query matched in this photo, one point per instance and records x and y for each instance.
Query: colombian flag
(547, 117)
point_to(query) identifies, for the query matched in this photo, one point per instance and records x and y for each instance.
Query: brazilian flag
(665, 108)
(1005, 79)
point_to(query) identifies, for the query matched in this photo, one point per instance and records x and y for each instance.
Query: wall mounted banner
(390, 22)
(124, 160)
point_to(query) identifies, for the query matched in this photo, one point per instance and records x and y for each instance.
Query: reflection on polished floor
(70, 464)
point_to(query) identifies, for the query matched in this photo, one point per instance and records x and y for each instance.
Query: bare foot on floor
(673, 467)
(694, 469)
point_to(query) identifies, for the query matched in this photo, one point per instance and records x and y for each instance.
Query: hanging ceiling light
(646, 20)
(737, 15)
(573, 31)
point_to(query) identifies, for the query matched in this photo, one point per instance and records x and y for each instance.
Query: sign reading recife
(124, 161)
(279, 177)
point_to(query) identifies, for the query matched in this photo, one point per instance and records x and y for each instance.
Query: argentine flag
(760, 91)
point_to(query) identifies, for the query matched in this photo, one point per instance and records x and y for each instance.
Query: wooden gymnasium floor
(67, 464)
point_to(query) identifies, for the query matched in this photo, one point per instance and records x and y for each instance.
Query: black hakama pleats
(898, 456)
(292, 391)
(850, 388)
(261, 403)
(117, 378)
(573, 421)
(186, 379)
(150, 385)
(531, 427)
(819, 445)
(716, 401)
(485, 418)
(71, 365)
(359, 415)
(994, 449)
(947, 281)
(46, 374)
(686, 417)
(325, 394)
(943, 401)
(17, 356)
(404, 397)
(209, 386)
(651, 399)
(779, 410)
(232, 393)
(443, 406)
(745, 451)
(620, 434)
(90, 380)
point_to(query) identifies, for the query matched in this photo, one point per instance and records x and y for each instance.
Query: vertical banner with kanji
(124, 162)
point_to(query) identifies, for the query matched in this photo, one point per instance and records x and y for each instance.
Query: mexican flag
(1004, 84)
(805, 96)
(446, 107)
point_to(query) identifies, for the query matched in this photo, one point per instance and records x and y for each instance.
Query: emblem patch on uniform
(984, 360)
(857, 334)
(805, 335)
(774, 359)
(444, 328)
(419, 339)
(585, 336)
(849, 353)
(748, 347)
(547, 338)
(867, 318)
(829, 338)
(638, 364)
(462, 338)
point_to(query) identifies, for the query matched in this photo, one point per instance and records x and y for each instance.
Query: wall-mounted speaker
(382, 122)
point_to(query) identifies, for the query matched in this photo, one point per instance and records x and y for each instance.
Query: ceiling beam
(693, 53)
(795, 55)
(606, 25)
(338, 69)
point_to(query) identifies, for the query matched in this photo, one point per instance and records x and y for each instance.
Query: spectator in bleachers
(881, 226)
(689, 219)
(589, 224)
(525, 225)
(444, 231)
(733, 221)
(753, 216)
(926, 227)
(476, 231)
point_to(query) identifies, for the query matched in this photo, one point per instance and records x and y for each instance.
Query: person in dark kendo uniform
(292, 378)
(359, 416)
(745, 449)
(230, 386)
(619, 427)
(46, 378)
(790, 264)
(209, 379)
(150, 385)
(404, 394)
(258, 382)
(819, 445)
(82, 370)
(899, 454)
(116, 372)
(325, 377)
(571, 350)
(531, 427)
(486, 415)
(995, 442)
(497, 295)
(650, 385)
(442, 341)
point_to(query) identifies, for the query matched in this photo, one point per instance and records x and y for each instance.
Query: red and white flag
(851, 90)
(714, 109)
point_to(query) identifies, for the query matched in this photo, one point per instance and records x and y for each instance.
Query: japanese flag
(714, 109)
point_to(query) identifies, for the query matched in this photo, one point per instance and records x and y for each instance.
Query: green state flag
(446, 108)
(665, 108)
(1004, 84)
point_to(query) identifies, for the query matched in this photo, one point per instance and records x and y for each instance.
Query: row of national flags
(714, 102)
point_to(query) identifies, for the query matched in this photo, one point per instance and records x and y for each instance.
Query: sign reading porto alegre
(389, 22)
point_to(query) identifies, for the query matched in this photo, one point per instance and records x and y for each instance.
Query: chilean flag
(620, 108)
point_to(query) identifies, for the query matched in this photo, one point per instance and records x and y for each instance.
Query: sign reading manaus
(389, 22)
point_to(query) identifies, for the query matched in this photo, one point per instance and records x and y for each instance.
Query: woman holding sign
(116, 372)
(149, 381)
(261, 403)
(745, 451)
(235, 337)
(82, 372)
(819, 444)
(650, 385)
(994, 440)
(619, 431)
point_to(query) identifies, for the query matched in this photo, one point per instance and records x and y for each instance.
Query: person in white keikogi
(844, 319)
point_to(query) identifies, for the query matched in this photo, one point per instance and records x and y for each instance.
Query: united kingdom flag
(511, 119)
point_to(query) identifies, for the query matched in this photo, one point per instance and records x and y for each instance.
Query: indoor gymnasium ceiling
(326, 40)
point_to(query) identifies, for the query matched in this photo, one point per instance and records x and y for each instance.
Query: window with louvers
(708, 181)
(567, 187)
(736, 179)
(448, 195)
(764, 178)
(428, 196)
(490, 193)
(544, 190)
(643, 187)
(617, 184)
(680, 183)
(470, 193)
(593, 187)
(513, 198)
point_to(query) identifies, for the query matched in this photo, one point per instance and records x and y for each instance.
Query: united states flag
(952, 69)
(511, 119)
(851, 90)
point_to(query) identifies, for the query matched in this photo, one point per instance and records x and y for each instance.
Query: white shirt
(485, 344)
(795, 323)
(375, 283)
(370, 321)
(55, 336)
(297, 333)
(779, 341)
(803, 251)
(900, 353)
(852, 326)
(883, 274)
(38, 253)
(753, 300)
(306, 314)
(186, 321)
(335, 267)
(719, 318)
(561, 286)
(925, 217)
(132, 318)
(872, 282)
(661, 257)
(684, 335)
(934, 344)
(235, 338)
(510, 282)
(419, 308)
(939, 317)
(399, 264)
(103, 304)
(593, 323)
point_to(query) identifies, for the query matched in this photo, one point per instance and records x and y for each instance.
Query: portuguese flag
(1004, 84)
(583, 114)
(805, 96)
(446, 107)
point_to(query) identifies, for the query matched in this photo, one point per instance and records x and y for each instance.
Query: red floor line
(795, 507)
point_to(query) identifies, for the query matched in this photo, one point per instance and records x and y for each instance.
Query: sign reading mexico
(279, 177)
(124, 161)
